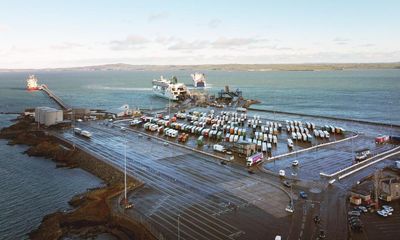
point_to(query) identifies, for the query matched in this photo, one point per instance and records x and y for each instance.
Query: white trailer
(304, 137)
(326, 134)
(316, 133)
(86, 134)
(290, 143)
(275, 139)
(321, 133)
(264, 147)
(299, 136)
(77, 130)
(219, 148)
(294, 136)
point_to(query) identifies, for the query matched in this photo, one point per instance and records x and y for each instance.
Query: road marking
(368, 164)
(358, 164)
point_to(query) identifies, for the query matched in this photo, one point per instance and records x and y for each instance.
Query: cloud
(157, 16)
(193, 45)
(131, 42)
(220, 43)
(341, 41)
(235, 42)
(66, 45)
(338, 39)
(368, 45)
(214, 23)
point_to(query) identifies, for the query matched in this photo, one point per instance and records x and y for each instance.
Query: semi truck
(254, 159)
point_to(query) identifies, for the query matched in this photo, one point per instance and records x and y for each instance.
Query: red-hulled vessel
(31, 83)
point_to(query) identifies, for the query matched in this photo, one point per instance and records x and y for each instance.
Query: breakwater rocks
(93, 216)
(94, 212)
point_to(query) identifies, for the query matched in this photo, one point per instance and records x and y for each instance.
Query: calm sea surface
(31, 187)
(363, 94)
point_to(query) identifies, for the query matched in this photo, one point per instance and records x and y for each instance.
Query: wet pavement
(198, 188)
(215, 201)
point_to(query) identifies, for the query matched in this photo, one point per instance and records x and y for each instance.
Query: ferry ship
(170, 89)
(31, 83)
(199, 80)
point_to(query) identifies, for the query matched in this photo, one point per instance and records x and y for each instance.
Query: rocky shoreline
(93, 212)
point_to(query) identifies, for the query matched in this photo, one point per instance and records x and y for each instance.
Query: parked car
(287, 184)
(289, 209)
(382, 213)
(388, 208)
(361, 209)
(303, 194)
(317, 219)
(354, 213)
(295, 163)
(389, 213)
(321, 234)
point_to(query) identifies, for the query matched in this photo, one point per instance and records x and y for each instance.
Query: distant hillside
(224, 67)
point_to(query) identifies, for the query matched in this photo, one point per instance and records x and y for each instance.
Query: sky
(48, 34)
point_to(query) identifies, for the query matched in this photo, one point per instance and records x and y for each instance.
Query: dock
(53, 96)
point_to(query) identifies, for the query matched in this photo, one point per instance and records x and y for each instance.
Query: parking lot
(378, 227)
(327, 159)
(246, 128)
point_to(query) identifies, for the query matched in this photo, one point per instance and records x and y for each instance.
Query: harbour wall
(327, 117)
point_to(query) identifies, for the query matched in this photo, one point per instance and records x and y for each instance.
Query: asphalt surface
(215, 201)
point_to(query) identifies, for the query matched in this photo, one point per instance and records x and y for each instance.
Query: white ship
(170, 89)
(199, 80)
(31, 83)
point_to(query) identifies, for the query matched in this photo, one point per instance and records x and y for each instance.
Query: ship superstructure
(170, 89)
(31, 83)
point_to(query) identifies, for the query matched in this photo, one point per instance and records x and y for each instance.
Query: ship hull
(32, 88)
(166, 96)
(199, 84)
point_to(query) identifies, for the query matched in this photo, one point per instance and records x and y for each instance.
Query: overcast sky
(39, 34)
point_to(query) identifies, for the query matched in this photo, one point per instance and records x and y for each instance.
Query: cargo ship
(31, 83)
(199, 80)
(170, 89)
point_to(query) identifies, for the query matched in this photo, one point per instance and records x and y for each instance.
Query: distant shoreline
(223, 67)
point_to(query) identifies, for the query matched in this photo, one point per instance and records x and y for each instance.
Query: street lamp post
(126, 199)
(179, 231)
